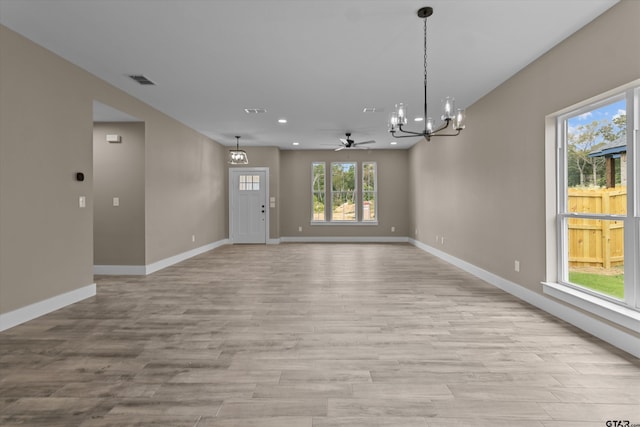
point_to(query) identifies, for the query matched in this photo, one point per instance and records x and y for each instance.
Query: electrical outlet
(516, 266)
(437, 239)
(116, 201)
(193, 237)
(416, 231)
(300, 228)
(82, 202)
(393, 229)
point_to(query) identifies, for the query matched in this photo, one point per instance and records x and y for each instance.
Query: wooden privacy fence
(596, 243)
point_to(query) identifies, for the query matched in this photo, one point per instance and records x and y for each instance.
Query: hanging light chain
(425, 75)
(452, 118)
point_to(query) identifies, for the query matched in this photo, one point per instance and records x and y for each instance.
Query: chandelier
(237, 156)
(452, 119)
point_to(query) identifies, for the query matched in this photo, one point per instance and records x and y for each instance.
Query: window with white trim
(318, 194)
(369, 192)
(598, 204)
(344, 177)
(339, 196)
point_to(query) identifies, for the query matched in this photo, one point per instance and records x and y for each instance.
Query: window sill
(358, 223)
(610, 311)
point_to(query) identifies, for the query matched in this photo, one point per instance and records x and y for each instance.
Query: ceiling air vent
(141, 79)
(255, 110)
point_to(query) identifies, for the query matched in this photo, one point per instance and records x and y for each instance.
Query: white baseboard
(143, 270)
(35, 310)
(614, 336)
(167, 262)
(120, 270)
(344, 239)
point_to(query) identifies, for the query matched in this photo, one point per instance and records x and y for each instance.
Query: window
(343, 191)
(598, 204)
(318, 192)
(337, 197)
(369, 191)
(249, 183)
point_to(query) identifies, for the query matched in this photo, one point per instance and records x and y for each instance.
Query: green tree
(343, 176)
(614, 129)
(318, 191)
(584, 140)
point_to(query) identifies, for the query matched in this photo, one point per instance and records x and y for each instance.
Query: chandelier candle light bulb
(450, 116)
(447, 108)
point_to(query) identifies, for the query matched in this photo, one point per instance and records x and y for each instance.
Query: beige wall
(295, 197)
(118, 171)
(46, 127)
(185, 189)
(45, 138)
(484, 191)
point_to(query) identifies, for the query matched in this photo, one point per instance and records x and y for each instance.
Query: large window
(369, 191)
(318, 192)
(343, 191)
(598, 225)
(340, 197)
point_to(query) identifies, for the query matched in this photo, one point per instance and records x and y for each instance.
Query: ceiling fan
(350, 143)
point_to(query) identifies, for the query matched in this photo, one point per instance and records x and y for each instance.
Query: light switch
(82, 202)
(116, 201)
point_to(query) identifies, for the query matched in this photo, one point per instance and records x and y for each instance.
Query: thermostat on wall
(114, 138)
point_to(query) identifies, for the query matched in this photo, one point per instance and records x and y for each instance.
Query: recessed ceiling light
(296, 143)
(282, 121)
(372, 110)
(394, 143)
(418, 119)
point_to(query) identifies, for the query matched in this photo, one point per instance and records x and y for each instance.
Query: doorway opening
(118, 191)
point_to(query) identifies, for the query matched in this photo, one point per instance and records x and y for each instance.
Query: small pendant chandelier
(453, 119)
(237, 156)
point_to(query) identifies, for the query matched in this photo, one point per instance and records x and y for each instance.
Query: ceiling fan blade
(344, 141)
(339, 148)
(365, 142)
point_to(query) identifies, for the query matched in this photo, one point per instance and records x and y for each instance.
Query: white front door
(248, 209)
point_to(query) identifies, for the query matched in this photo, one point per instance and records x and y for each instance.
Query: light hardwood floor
(310, 335)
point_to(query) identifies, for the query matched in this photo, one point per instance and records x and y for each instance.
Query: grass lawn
(609, 285)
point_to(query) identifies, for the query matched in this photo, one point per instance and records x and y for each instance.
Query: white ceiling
(315, 63)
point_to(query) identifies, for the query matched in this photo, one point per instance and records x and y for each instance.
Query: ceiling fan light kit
(237, 156)
(452, 119)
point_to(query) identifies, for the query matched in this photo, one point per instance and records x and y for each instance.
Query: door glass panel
(249, 183)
